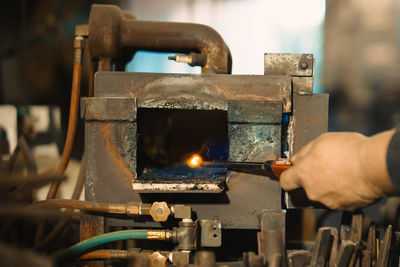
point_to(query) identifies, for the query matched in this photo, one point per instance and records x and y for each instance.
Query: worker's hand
(342, 170)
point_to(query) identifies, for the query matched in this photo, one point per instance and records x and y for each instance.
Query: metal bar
(371, 243)
(321, 248)
(384, 252)
(345, 253)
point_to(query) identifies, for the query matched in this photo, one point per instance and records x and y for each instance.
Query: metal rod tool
(271, 168)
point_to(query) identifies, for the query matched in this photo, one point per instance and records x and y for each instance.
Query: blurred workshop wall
(362, 63)
(249, 27)
(36, 55)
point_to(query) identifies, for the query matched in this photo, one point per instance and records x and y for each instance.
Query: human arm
(343, 171)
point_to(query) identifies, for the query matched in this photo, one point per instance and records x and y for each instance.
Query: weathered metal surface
(251, 259)
(108, 109)
(366, 259)
(204, 258)
(309, 120)
(210, 233)
(157, 259)
(288, 64)
(345, 253)
(270, 243)
(237, 208)
(141, 186)
(272, 236)
(303, 85)
(245, 194)
(384, 250)
(111, 166)
(245, 197)
(91, 226)
(110, 176)
(273, 219)
(110, 32)
(182, 211)
(186, 235)
(371, 243)
(298, 258)
(179, 258)
(356, 228)
(193, 91)
(334, 246)
(321, 248)
(240, 111)
(254, 142)
(160, 211)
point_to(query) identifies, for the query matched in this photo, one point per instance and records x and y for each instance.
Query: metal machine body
(255, 106)
(263, 117)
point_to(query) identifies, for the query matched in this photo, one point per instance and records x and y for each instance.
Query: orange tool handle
(280, 165)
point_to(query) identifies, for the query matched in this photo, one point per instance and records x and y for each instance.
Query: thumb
(289, 180)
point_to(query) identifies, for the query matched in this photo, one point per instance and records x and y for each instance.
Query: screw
(303, 65)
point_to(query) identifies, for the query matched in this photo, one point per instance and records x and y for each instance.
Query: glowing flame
(194, 161)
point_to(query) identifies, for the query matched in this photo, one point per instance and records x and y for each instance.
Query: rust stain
(105, 129)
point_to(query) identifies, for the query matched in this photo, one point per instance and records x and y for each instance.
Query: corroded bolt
(303, 65)
(160, 211)
(157, 259)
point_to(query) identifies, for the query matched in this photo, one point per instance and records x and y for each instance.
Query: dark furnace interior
(167, 138)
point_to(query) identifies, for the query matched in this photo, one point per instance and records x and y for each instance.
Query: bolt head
(160, 211)
(303, 65)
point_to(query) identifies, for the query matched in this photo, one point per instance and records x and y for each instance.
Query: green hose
(81, 247)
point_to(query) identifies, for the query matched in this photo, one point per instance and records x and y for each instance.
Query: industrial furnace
(142, 128)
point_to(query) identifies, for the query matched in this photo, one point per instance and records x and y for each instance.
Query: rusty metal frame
(110, 146)
(254, 104)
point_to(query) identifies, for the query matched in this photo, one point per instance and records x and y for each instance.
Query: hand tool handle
(280, 165)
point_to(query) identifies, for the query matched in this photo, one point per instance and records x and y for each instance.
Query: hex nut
(160, 211)
(157, 259)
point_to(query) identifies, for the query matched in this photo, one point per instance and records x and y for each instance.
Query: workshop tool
(271, 168)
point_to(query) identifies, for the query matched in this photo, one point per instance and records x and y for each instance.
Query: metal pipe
(61, 224)
(178, 37)
(105, 254)
(110, 31)
(73, 115)
(89, 206)
(72, 125)
(159, 211)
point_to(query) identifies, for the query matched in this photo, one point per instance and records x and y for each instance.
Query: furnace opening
(168, 138)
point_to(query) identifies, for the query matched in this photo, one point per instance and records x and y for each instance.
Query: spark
(194, 161)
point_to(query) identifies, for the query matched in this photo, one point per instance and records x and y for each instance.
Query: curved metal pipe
(110, 31)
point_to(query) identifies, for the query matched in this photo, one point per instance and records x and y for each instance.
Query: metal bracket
(300, 65)
(210, 233)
